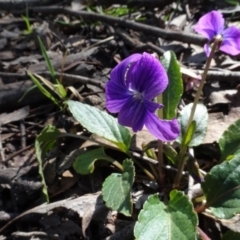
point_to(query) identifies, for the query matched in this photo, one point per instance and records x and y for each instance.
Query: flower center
(137, 95)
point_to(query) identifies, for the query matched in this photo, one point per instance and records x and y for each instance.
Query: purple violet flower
(133, 84)
(212, 24)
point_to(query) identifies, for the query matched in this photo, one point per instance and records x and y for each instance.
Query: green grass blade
(49, 64)
(42, 89)
(30, 89)
(28, 25)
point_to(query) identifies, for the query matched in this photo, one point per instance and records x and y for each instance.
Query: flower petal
(152, 106)
(133, 114)
(207, 49)
(116, 96)
(231, 41)
(147, 76)
(117, 92)
(210, 24)
(165, 130)
(119, 72)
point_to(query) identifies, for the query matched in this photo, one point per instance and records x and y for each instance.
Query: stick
(147, 29)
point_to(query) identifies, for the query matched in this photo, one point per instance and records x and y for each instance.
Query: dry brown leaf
(79, 205)
(218, 123)
(220, 96)
(141, 138)
(14, 116)
(97, 212)
(233, 223)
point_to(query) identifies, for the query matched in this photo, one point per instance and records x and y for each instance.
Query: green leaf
(84, 163)
(201, 119)
(173, 93)
(56, 88)
(170, 153)
(59, 88)
(27, 22)
(222, 189)
(233, 2)
(117, 187)
(44, 142)
(101, 123)
(230, 235)
(157, 221)
(118, 11)
(189, 134)
(229, 142)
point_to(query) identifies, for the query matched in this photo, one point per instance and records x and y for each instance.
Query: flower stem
(160, 149)
(183, 159)
(182, 162)
(204, 76)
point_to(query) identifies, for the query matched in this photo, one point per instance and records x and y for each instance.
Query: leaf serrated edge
(222, 138)
(108, 204)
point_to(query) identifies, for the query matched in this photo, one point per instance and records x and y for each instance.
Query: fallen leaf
(218, 123)
(14, 116)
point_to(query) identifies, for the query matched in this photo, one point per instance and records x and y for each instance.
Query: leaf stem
(117, 164)
(144, 169)
(150, 175)
(151, 154)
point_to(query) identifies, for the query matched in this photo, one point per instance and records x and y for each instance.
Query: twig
(67, 77)
(100, 42)
(75, 78)
(148, 3)
(147, 29)
(138, 45)
(35, 234)
(1, 147)
(212, 75)
(188, 12)
(10, 5)
(150, 46)
(18, 152)
(23, 134)
(203, 234)
(221, 76)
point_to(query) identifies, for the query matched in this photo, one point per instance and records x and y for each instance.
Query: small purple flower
(212, 24)
(133, 84)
